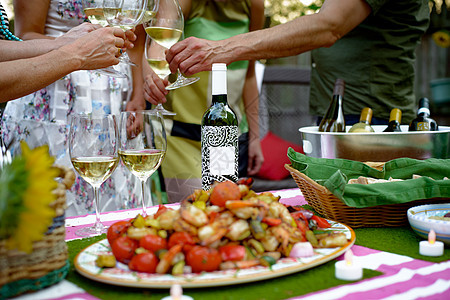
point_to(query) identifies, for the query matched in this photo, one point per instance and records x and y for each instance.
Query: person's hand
(97, 49)
(130, 37)
(155, 88)
(76, 32)
(255, 157)
(194, 55)
(136, 103)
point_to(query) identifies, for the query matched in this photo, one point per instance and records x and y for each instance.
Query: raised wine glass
(166, 28)
(142, 145)
(93, 152)
(93, 9)
(125, 14)
(155, 54)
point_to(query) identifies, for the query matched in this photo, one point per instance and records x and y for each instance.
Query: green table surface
(399, 240)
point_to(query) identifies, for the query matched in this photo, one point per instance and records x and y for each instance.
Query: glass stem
(144, 211)
(98, 225)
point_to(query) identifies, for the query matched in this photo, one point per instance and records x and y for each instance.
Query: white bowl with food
(423, 218)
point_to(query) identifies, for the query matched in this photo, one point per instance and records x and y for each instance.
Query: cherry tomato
(117, 229)
(232, 252)
(182, 238)
(321, 222)
(144, 262)
(123, 248)
(153, 242)
(161, 209)
(203, 259)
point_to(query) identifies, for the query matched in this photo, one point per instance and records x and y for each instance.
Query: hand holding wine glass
(93, 9)
(155, 56)
(143, 145)
(93, 152)
(166, 28)
(126, 14)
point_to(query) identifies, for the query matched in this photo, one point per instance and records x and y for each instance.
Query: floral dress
(43, 117)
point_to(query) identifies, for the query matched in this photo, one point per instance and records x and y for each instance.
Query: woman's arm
(97, 49)
(30, 18)
(137, 101)
(251, 97)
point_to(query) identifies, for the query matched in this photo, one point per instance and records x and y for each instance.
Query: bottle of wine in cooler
(364, 122)
(219, 134)
(423, 122)
(395, 119)
(333, 120)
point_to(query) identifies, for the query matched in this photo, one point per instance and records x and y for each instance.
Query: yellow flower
(441, 38)
(36, 215)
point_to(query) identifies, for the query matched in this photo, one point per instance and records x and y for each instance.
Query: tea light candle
(176, 293)
(431, 247)
(346, 269)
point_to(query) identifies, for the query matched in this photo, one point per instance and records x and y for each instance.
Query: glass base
(161, 110)
(94, 230)
(181, 81)
(110, 71)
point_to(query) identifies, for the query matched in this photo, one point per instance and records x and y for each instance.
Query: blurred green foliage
(286, 10)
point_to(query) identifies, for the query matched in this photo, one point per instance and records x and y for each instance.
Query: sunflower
(26, 193)
(441, 38)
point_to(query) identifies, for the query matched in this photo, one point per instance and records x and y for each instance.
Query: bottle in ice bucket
(333, 120)
(364, 122)
(423, 122)
(395, 119)
(219, 136)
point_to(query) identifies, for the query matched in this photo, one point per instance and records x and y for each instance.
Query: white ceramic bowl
(418, 217)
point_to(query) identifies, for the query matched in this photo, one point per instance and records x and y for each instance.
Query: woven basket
(48, 262)
(331, 207)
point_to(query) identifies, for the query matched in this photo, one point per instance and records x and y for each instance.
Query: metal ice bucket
(377, 146)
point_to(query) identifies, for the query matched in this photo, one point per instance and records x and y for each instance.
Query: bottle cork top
(366, 115)
(396, 114)
(219, 67)
(339, 86)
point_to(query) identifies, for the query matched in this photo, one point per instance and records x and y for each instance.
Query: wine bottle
(395, 119)
(423, 122)
(333, 120)
(219, 134)
(364, 122)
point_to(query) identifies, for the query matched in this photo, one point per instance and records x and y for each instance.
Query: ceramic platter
(122, 276)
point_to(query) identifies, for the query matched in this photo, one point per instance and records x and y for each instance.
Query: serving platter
(122, 276)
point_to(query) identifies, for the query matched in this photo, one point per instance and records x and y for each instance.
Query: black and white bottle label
(219, 154)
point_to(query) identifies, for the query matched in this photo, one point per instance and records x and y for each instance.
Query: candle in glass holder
(176, 293)
(431, 247)
(346, 269)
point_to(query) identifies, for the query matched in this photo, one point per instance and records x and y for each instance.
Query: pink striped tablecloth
(403, 277)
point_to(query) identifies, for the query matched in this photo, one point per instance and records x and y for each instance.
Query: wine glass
(155, 54)
(125, 14)
(93, 9)
(93, 152)
(166, 28)
(142, 145)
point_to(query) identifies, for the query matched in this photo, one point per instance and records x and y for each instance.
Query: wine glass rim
(145, 111)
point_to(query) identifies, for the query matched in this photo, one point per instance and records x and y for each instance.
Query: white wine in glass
(142, 145)
(125, 14)
(93, 9)
(155, 56)
(166, 28)
(93, 152)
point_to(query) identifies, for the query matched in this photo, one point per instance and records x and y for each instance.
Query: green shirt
(376, 60)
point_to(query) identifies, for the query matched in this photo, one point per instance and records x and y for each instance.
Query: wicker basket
(331, 207)
(48, 262)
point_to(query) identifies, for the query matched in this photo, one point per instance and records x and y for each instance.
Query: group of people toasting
(368, 43)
